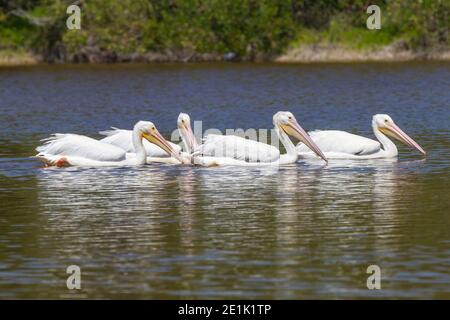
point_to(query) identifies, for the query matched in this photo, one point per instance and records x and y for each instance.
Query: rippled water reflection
(158, 231)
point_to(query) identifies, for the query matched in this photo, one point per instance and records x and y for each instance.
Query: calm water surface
(159, 231)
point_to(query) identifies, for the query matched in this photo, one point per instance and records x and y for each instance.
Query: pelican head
(386, 125)
(287, 123)
(184, 126)
(147, 130)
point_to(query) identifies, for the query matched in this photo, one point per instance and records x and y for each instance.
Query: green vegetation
(250, 29)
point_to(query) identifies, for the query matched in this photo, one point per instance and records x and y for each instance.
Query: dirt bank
(17, 58)
(331, 53)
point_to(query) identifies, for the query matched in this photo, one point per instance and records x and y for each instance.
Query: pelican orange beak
(190, 137)
(156, 138)
(292, 128)
(394, 131)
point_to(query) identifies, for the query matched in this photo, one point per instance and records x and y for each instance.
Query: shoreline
(302, 55)
(18, 59)
(331, 54)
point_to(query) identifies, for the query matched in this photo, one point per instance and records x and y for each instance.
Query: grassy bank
(16, 58)
(200, 30)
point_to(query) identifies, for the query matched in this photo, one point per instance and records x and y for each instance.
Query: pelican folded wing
(238, 148)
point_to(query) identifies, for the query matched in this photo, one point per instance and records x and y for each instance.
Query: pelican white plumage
(78, 150)
(234, 150)
(343, 145)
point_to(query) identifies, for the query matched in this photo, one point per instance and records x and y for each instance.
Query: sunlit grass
(345, 36)
(16, 57)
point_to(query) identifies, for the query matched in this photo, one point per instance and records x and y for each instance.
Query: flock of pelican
(144, 144)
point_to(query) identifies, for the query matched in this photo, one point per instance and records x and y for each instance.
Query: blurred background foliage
(246, 29)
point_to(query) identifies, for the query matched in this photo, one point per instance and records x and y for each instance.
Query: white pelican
(123, 139)
(77, 150)
(234, 150)
(343, 145)
(187, 136)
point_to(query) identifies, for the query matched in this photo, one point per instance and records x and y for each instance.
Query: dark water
(159, 231)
